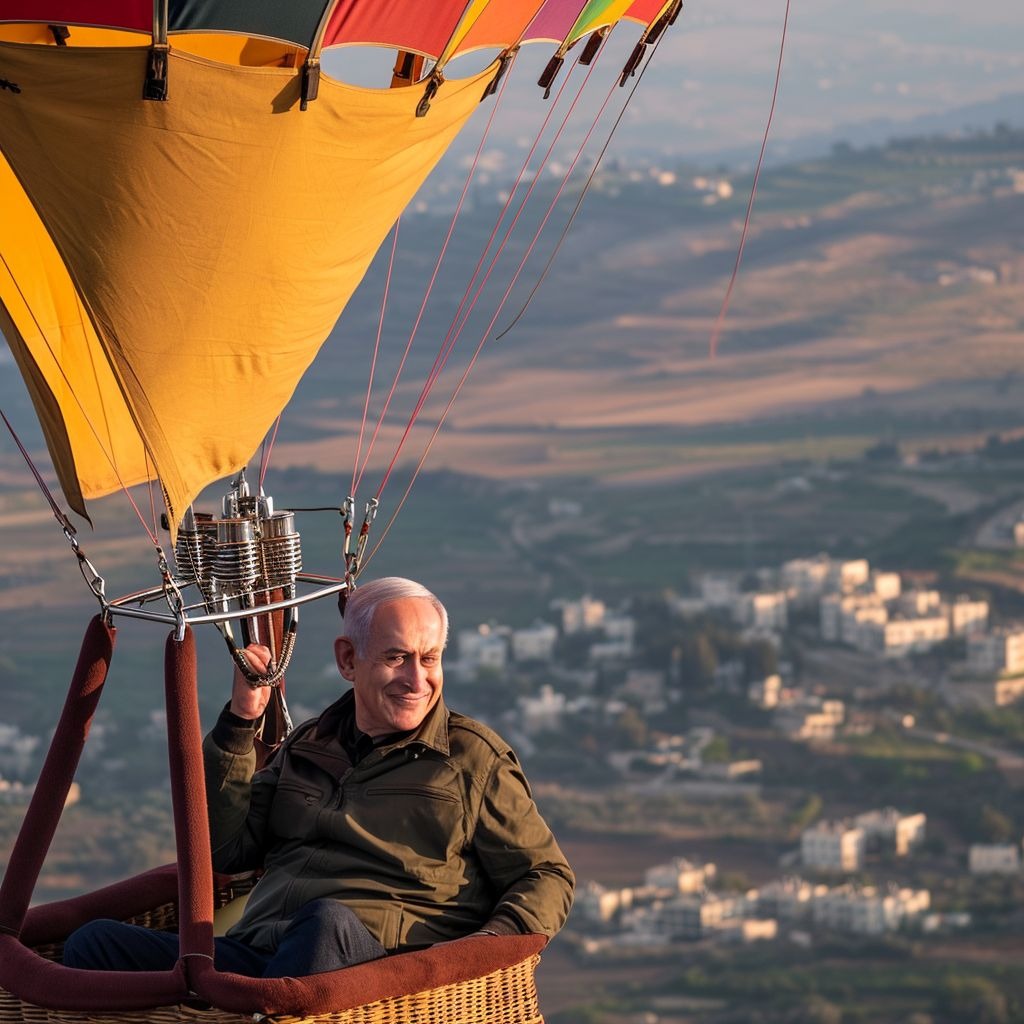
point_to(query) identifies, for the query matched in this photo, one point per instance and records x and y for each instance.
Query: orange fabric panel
(74, 392)
(499, 25)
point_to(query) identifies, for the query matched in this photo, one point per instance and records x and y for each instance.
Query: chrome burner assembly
(246, 559)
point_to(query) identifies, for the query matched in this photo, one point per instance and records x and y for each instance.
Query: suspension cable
(433, 277)
(497, 313)
(457, 326)
(373, 359)
(720, 320)
(267, 450)
(583, 193)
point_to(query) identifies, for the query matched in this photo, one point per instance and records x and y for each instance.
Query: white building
(619, 629)
(967, 616)
(747, 929)
(542, 713)
(806, 577)
(788, 899)
(845, 617)
(832, 846)
(847, 576)
(646, 686)
(762, 610)
(903, 832)
(870, 911)
(679, 875)
(609, 650)
(886, 585)
(593, 902)
(718, 591)
(482, 648)
(582, 615)
(914, 603)
(765, 692)
(693, 916)
(535, 643)
(1000, 651)
(993, 859)
(810, 718)
(900, 637)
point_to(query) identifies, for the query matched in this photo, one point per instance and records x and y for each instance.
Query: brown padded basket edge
(486, 978)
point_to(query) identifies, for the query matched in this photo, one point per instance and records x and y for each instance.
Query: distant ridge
(877, 131)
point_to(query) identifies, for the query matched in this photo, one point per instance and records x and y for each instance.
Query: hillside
(879, 299)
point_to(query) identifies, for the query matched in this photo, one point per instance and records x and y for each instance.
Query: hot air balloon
(189, 201)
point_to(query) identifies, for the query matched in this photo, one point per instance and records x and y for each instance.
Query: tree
(995, 826)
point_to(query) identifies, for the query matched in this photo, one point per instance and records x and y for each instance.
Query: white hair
(365, 599)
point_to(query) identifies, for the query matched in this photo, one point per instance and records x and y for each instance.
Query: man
(388, 823)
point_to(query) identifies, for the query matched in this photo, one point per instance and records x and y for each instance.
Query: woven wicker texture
(506, 996)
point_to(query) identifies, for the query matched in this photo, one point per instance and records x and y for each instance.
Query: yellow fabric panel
(214, 238)
(230, 48)
(81, 35)
(74, 392)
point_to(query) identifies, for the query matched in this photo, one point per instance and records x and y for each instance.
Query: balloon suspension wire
(467, 305)
(433, 277)
(494, 318)
(152, 491)
(583, 193)
(722, 313)
(151, 533)
(267, 450)
(58, 513)
(373, 359)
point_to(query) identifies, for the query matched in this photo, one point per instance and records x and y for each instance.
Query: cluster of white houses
(494, 647)
(842, 845)
(869, 610)
(676, 903)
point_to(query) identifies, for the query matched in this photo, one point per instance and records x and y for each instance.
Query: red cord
(464, 311)
(373, 360)
(433, 278)
(720, 321)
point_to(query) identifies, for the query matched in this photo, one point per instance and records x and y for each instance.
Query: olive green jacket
(426, 839)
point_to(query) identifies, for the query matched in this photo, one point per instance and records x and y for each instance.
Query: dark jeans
(323, 936)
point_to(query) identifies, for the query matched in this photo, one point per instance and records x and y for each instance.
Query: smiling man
(385, 824)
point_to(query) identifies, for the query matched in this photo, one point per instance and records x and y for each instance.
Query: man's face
(398, 678)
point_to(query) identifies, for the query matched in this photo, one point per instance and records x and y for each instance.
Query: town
(856, 632)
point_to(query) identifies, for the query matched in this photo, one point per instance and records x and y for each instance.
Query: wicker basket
(505, 996)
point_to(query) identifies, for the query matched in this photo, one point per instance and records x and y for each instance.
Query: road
(1006, 759)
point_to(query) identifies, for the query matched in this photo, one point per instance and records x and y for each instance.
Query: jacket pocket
(295, 808)
(422, 825)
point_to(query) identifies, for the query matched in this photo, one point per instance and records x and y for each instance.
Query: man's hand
(248, 701)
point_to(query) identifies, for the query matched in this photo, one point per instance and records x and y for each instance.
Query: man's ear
(345, 656)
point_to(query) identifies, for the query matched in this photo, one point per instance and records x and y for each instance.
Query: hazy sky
(848, 63)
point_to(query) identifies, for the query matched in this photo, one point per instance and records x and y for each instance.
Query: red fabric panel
(36, 980)
(51, 791)
(337, 991)
(644, 11)
(54, 922)
(188, 796)
(130, 14)
(423, 27)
